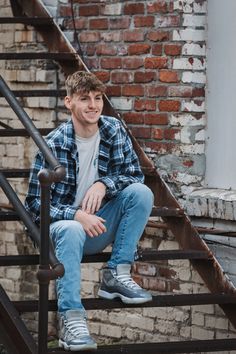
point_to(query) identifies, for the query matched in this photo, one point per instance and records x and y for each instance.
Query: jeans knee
(142, 195)
(69, 232)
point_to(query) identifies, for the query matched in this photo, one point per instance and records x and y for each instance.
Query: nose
(92, 103)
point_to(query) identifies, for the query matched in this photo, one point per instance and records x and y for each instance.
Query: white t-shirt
(88, 150)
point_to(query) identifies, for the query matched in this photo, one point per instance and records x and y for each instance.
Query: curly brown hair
(83, 82)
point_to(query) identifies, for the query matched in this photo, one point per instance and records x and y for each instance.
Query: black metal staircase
(192, 247)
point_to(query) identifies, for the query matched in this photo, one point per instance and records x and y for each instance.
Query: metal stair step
(38, 55)
(157, 301)
(167, 211)
(34, 21)
(194, 346)
(38, 93)
(22, 132)
(146, 255)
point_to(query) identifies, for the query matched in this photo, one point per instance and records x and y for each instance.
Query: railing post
(44, 268)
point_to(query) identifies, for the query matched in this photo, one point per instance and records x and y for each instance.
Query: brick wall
(151, 55)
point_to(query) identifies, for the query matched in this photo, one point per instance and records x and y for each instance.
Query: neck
(85, 131)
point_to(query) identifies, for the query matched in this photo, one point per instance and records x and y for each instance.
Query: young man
(101, 201)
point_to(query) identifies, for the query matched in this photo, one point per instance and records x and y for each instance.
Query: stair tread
(38, 55)
(169, 300)
(22, 132)
(146, 255)
(38, 93)
(162, 347)
(37, 21)
(167, 211)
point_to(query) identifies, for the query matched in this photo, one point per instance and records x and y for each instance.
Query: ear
(67, 101)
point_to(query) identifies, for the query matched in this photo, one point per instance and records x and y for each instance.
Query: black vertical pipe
(44, 268)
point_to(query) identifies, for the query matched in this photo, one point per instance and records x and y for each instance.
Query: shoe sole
(124, 299)
(74, 348)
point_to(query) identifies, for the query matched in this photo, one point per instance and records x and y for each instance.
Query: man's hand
(93, 198)
(93, 225)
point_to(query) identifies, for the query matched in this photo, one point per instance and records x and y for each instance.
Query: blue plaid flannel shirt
(118, 167)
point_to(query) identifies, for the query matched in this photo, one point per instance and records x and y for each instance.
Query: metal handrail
(55, 175)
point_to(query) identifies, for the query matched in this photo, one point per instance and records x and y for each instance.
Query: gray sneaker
(118, 283)
(74, 334)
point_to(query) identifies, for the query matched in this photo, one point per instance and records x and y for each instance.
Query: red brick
(133, 36)
(144, 76)
(156, 118)
(133, 90)
(141, 132)
(157, 6)
(157, 49)
(111, 63)
(120, 77)
(89, 36)
(106, 49)
(101, 23)
(113, 90)
(91, 10)
(180, 91)
(131, 9)
(144, 21)
(92, 63)
(172, 49)
(169, 134)
(169, 106)
(158, 36)
(136, 49)
(168, 21)
(168, 76)
(198, 92)
(155, 284)
(80, 23)
(156, 63)
(157, 91)
(166, 272)
(132, 63)
(145, 105)
(157, 133)
(89, 49)
(188, 163)
(65, 11)
(119, 23)
(104, 76)
(133, 118)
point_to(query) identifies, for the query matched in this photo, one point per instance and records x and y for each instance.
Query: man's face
(85, 108)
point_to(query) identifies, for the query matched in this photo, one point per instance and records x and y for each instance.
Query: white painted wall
(221, 95)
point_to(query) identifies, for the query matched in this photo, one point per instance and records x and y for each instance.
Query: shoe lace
(76, 327)
(126, 280)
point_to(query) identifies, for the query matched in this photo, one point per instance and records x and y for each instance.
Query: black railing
(39, 236)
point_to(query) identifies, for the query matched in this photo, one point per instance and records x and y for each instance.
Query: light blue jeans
(126, 216)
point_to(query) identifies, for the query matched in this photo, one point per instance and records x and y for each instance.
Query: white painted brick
(194, 49)
(192, 149)
(184, 5)
(189, 64)
(194, 77)
(123, 104)
(112, 9)
(111, 331)
(192, 106)
(214, 322)
(189, 34)
(200, 136)
(194, 21)
(200, 8)
(187, 179)
(187, 120)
